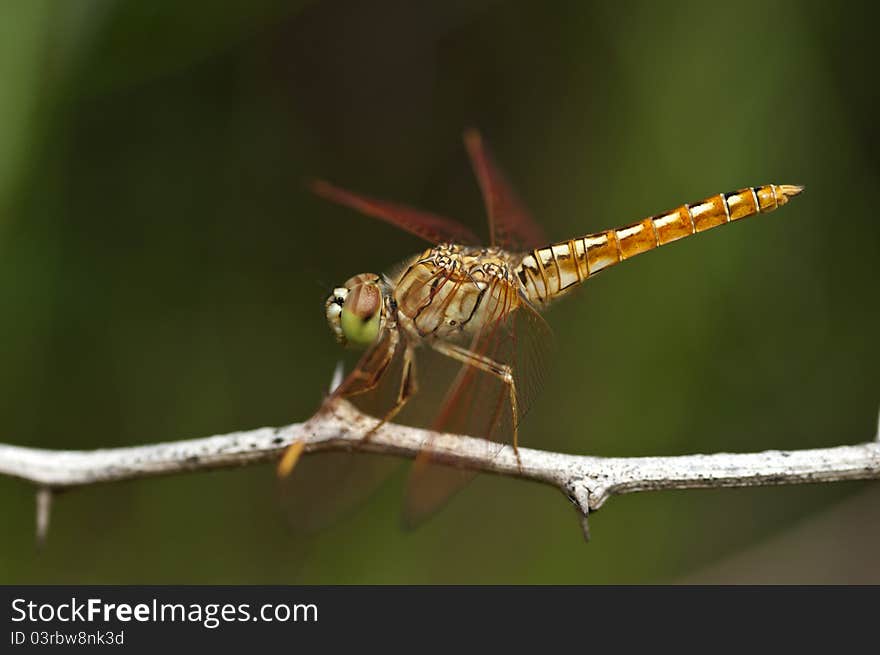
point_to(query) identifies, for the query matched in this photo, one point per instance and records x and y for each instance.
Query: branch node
(44, 512)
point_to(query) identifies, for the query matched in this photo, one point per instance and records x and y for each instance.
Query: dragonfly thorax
(452, 291)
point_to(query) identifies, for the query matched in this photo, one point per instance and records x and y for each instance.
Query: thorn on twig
(338, 373)
(585, 526)
(44, 511)
(580, 497)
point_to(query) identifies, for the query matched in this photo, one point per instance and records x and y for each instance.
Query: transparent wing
(327, 487)
(511, 226)
(431, 227)
(321, 489)
(477, 404)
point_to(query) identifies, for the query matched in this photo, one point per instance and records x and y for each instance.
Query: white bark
(587, 481)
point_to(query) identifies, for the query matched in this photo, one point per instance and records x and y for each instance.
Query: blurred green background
(162, 270)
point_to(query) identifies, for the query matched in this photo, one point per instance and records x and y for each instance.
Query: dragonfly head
(356, 310)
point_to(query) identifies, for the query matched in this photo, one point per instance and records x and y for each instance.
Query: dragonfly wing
(326, 486)
(431, 227)
(510, 224)
(477, 404)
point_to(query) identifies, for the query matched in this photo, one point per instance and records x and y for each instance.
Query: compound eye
(363, 301)
(361, 315)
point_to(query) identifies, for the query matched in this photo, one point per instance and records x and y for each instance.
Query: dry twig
(587, 481)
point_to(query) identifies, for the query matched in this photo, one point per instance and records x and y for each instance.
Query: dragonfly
(481, 306)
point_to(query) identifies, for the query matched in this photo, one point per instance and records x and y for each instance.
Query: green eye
(358, 331)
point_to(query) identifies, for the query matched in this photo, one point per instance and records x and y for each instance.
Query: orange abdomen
(549, 272)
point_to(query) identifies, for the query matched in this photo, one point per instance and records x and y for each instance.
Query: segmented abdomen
(549, 272)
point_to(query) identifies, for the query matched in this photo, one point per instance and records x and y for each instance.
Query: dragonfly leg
(366, 377)
(408, 388)
(502, 371)
(369, 373)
